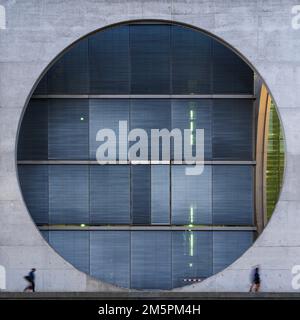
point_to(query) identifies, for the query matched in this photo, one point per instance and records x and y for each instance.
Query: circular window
(143, 222)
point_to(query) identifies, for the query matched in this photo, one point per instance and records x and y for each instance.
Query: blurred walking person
(255, 281)
(31, 279)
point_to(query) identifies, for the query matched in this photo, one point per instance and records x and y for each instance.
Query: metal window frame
(144, 96)
(143, 228)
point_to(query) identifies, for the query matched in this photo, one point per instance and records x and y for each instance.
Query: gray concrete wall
(38, 30)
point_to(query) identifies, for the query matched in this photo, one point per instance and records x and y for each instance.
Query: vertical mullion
(130, 258)
(129, 61)
(212, 151)
(171, 58)
(130, 168)
(150, 192)
(89, 166)
(48, 166)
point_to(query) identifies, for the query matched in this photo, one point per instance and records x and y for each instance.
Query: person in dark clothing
(31, 279)
(255, 281)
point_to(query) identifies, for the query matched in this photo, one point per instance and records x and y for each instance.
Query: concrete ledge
(144, 295)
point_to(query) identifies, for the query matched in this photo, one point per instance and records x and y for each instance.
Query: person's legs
(33, 286)
(251, 288)
(257, 286)
(27, 288)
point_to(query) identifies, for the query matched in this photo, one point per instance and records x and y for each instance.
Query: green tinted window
(275, 160)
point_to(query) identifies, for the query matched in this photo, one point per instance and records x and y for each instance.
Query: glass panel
(109, 61)
(45, 235)
(233, 129)
(160, 194)
(191, 196)
(233, 195)
(68, 129)
(110, 259)
(275, 160)
(191, 61)
(140, 194)
(33, 136)
(73, 246)
(68, 194)
(110, 194)
(191, 257)
(150, 260)
(150, 59)
(231, 75)
(69, 75)
(229, 246)
(150, 114)
(106, 114)
(42, 86)
(34, 184)
(194, 114)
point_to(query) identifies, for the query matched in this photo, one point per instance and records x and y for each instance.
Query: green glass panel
(275, 160)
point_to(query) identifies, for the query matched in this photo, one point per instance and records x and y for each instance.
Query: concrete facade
(36, 31)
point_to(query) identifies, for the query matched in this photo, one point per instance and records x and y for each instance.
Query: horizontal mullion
(144, 162)
(145, 228)
(143, 96)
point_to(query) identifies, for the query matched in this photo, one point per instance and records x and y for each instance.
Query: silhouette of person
(255, 281)
(31, 279)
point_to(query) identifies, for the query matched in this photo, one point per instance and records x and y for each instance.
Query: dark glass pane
(33, 136)
(191, 196)
(191, 256)
(34, 185)
(45, 235)
(72, 246)
(150, 59)
(151, 114)
(140, 194)
(229, 246)
(68, 194)
(68, 129)
(194, 114)
(42, 86)
(160, 194)
(110, 194)
(232, 129)
(233, 195)
(191, 61)
(109, 61)
(150, 260)
(110, 256)
(106, 114)
(69, 75)
(231, 75)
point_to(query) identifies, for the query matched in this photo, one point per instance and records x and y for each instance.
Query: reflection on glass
(191, 244)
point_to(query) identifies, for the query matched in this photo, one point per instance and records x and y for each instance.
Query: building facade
(148, 226)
